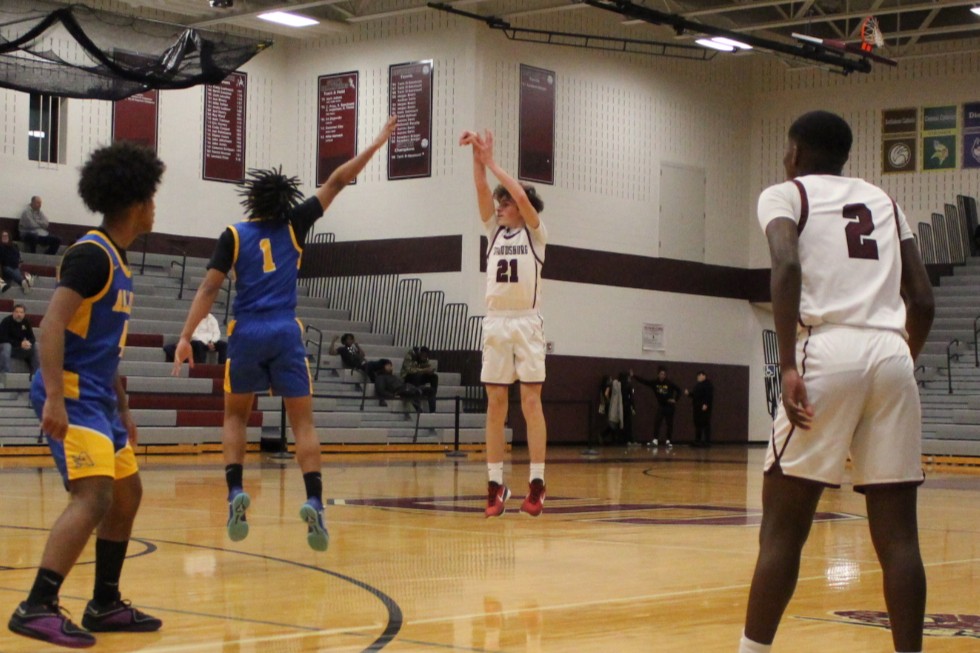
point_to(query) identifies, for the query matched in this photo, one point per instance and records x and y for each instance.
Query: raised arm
(484, 196)
(345, 174)
(483, 147)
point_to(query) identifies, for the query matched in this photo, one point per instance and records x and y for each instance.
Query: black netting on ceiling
(77, 51)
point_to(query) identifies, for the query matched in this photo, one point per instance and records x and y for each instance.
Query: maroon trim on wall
(571, 394)
(390, 256)
(648, 273)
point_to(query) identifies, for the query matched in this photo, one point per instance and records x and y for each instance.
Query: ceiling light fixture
(731, 43)
(286, 18)
(976, 10)
(715, 45)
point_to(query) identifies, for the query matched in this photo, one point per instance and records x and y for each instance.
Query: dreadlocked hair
(269, 194)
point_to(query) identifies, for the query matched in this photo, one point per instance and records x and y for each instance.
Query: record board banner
(336, 132)
(224, 129)
(536, 146)
(971, 135)
(899, 128)
(410, 100)
(135, 119)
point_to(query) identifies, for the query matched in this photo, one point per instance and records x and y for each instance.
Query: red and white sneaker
(534, 501)
(497, 493)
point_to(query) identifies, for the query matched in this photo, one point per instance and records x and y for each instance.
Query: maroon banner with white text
(134, 119)
(224, 129)
(536, 148)
(410, 99)
(336, 132)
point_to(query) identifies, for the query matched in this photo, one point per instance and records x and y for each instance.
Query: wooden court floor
(636, 551)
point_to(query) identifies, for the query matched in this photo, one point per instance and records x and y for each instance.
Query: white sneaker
(667, 442)
(654, 443)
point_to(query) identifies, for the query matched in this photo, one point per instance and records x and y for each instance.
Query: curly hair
(500, 193)
(118, 176)
(269, 194)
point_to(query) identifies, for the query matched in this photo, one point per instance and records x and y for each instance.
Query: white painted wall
(618, 118)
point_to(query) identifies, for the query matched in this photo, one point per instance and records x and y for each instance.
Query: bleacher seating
(951, 420)
(189, 409)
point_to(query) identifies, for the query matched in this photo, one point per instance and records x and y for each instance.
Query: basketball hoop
(871, 36)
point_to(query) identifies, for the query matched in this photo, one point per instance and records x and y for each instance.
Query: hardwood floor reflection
(636, 551)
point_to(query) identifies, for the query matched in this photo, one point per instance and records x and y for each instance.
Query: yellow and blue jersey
(266, 265)
(95, 337)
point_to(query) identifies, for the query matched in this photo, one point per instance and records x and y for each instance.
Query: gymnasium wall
(619, 118)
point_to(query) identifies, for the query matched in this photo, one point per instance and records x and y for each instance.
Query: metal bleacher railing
(946, 240)
(397, 305)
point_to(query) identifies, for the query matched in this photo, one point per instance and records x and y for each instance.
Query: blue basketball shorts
(267, 354)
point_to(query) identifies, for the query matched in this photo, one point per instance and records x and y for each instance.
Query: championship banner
(971, 135)
(410, 100)
(536, 145)
(939, 138)
(336, 132)
(135, 119)
(898, 143)
(224, 129)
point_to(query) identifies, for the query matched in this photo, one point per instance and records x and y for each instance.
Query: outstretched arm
(484, 196)
(345, 174)
(483, 147)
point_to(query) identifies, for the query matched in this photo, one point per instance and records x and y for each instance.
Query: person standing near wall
(667, 393)
(852, 306)
(702, 402)
(513, 330)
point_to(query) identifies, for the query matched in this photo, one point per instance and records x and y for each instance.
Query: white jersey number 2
(860, 244)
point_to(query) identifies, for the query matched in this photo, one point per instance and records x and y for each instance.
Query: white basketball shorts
(513, 348)
(865, 400)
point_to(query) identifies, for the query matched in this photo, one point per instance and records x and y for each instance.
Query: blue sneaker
(237, 526)
(316, 532)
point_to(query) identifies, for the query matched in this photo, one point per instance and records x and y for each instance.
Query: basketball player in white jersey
(513, 331)
(843, 256)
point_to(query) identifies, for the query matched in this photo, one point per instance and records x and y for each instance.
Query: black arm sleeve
(224, 253)
(85, 269)
(304, 216)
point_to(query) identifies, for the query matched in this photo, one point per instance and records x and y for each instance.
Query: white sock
(748, 646)
(537, 471)
(496, 472)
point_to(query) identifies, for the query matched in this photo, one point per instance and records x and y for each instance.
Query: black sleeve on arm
(224, 253)
(304, 216)
(85, 269)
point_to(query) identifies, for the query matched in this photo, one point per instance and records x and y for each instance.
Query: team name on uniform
(510, 250)
(124, 301)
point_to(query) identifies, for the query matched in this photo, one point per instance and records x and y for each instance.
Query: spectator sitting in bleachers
(10, 272)
(388, 386)
(34, 228)
(206, 337)
(17, 341)
(353, 357)
(419, 370)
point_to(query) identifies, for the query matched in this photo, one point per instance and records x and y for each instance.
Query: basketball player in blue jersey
(265, 340)
(82, 404)
(513, 331)
(852, 306)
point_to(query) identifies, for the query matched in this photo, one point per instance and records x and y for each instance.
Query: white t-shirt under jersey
(849, 247)
(514, 261)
